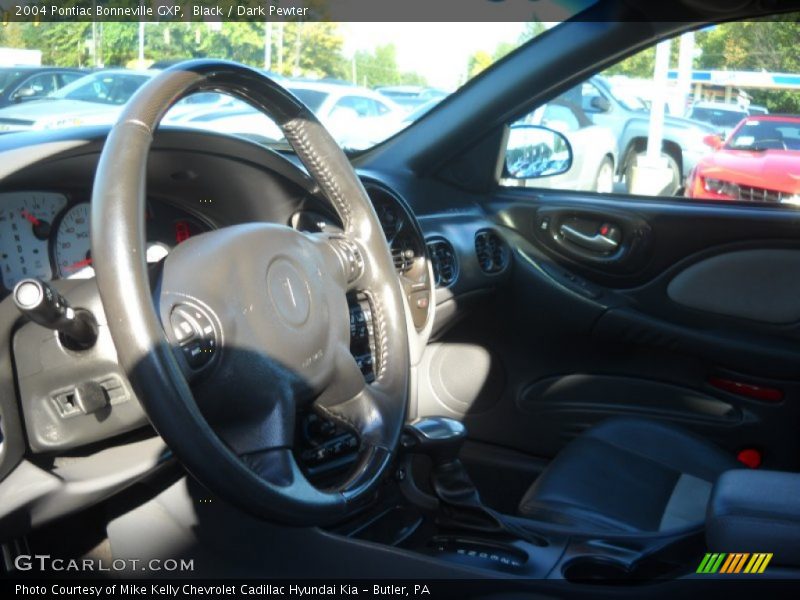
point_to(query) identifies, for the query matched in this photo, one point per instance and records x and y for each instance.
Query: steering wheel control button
(362, 338)
(195, 334)
(289, 292)
(351, 258)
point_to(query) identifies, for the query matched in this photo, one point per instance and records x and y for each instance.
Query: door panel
(582, 339)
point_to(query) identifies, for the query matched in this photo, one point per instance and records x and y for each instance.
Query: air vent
(491, 250)
(443, 261)
(403, 256)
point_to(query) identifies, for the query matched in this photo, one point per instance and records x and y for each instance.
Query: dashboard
(403, 236)
(447, 262)
(46, 235)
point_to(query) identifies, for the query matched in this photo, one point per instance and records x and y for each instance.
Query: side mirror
(600, 104)
(713, 141)
(533, 151)
(22, 94)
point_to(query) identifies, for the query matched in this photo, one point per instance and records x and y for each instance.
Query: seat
(630, 476)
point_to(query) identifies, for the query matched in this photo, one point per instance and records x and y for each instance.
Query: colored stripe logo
(733, 563)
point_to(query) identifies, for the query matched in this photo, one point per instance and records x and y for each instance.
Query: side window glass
(67, 78)
(361, 106)
(683, 119)
(37, 86)
(591, 99)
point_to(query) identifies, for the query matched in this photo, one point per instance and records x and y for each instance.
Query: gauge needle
(30, 217)
(80, 264)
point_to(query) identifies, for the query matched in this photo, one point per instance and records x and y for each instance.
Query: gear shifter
(441, 438)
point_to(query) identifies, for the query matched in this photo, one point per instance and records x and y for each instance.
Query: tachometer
(166, 227)
(25, 219)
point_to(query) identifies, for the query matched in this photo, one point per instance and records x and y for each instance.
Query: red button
(749, 457)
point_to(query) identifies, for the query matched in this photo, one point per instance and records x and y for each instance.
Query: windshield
(762, 134)
(102, 88)
(364, 81)
(7, 77)
(717, 116)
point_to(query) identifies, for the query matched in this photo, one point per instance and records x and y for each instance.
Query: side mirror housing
(534, 151)
(713, 141)
(600, 104)
(22, 94)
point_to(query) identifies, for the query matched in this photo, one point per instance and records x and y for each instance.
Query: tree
(765, 45)
(379, 67)
(479, 61)
(313, 50)
(532, 29)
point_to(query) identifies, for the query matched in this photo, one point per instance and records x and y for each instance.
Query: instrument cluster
(46, 235)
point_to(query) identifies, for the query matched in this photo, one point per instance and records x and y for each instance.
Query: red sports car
(759, 162)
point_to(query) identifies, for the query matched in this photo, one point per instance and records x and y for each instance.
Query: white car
(723, 117)
(594, 150)
(96, 99)
(349, 112)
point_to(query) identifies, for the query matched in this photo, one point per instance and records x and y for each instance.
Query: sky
(438, 51)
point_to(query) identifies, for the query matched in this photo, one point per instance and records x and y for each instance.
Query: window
(103, 88)
(37, 86)
(731, 122)
(67, 78)
(7, 78)
(361, 105)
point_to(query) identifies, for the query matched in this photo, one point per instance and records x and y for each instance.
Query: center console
(430, 507)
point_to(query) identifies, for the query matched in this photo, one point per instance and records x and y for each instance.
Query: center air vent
(443, 262)
(403, 255)
(491, 250)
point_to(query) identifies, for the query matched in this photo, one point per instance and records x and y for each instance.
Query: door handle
(597, 242)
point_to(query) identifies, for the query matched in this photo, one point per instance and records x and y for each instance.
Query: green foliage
(766, 45)
(379, 67)
(481, 60)
(298, 49)
(532, 29)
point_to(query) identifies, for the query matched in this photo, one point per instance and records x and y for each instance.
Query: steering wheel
(269, 304)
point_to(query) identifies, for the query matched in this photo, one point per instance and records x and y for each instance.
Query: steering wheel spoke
(349, 400)
(343, 256)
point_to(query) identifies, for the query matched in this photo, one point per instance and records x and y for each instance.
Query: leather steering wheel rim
(257, 472)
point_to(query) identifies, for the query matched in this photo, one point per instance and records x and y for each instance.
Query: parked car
(723, 117)
(25, 84)
(352, 114)
(629, 121)
(411, 96)
(758, 163)
(95, 99)
(594, 149)
(755, 109)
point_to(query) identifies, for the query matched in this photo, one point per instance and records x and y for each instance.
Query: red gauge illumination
(182, 231)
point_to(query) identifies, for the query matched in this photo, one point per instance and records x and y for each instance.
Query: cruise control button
(195, 333)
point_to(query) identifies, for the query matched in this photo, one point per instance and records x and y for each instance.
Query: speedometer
(25, 219)
(72, 247)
